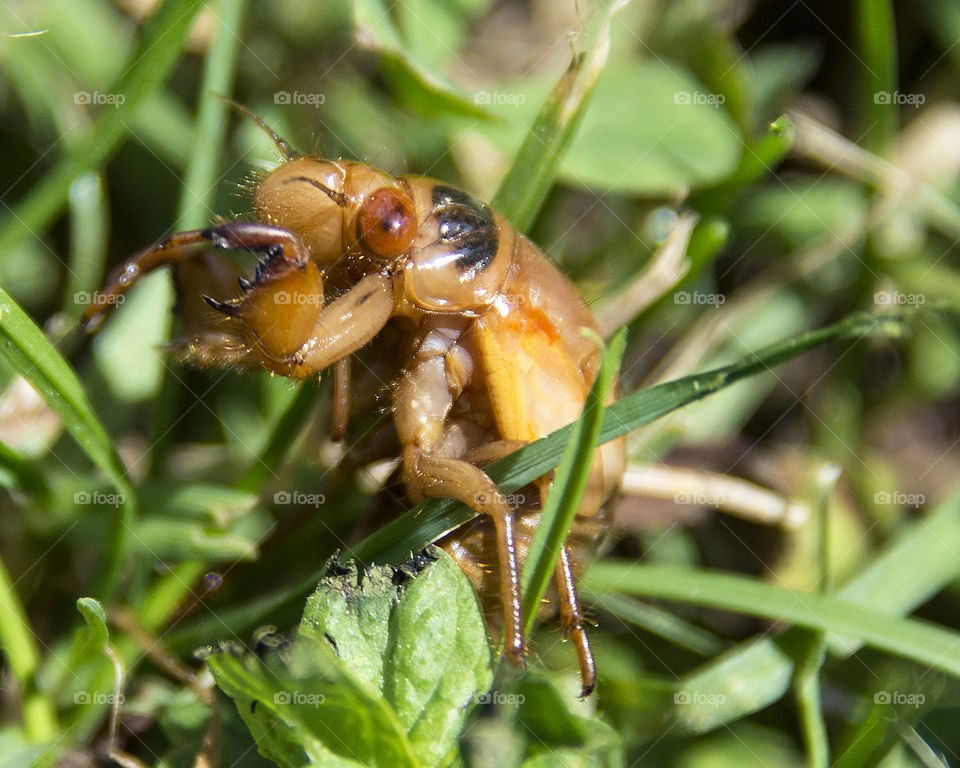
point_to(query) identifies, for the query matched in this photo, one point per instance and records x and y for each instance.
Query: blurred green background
(817, 145)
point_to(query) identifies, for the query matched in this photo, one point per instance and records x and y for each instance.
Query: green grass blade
(161, 45)
(656, 621)
(920, 562)
(89, 225)
(528, 181)
(568, 485)
(27, 349)
(200, 182)
(917, 565)
(17, 641)
(30, 353)
(876, 31)
(925, 643)
(413, 530)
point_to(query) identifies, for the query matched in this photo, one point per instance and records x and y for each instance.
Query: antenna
(285, 149)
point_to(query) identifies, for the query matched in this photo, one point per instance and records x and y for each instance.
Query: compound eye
(386, 224)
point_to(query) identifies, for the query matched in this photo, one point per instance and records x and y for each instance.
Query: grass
(806, 340)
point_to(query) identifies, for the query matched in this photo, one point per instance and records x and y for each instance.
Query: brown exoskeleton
(494, 354)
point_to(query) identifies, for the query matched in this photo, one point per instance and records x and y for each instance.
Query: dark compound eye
(386, 223)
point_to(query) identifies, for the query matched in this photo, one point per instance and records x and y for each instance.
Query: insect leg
(343, 326)
(460, 480)
(341, 398)
(571, 619)
(275, 242)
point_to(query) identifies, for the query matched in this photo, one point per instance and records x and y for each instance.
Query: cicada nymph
(493, 353)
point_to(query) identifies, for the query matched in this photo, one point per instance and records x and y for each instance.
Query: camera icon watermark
(83, 498)
(899, 698)
(299, 498)
(915, 500)
(95, 297)
(298, 298)
(298, 98)
(698, 97)
(690, 698)
(84, 698)
(898, 299)
(698, 298)
(914, 100)
(299, 698)
(496, 697)
(699, 498)
(496, 97)
(99, 98)
(512, 500)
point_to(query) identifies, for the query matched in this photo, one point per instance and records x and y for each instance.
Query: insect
(492, 354)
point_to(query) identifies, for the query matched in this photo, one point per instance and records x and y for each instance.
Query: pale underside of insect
(492, 352)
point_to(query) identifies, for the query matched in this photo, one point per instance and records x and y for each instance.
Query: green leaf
(657, 144)
(569, 483)
(388, 659)
(95, 617)
(439, 658)
(293, 717)
(416, 83)
(353, 610)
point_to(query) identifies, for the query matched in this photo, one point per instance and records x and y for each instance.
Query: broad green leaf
(352, 610)
(423, 647)
(307, 720)
(439, 660)
(664, 137)
(416, 83)
(388, 661)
